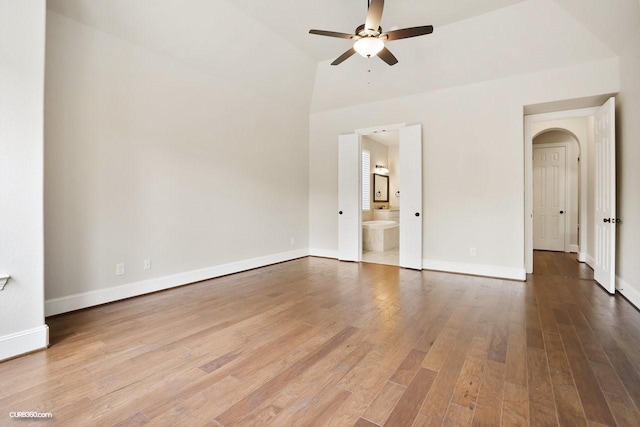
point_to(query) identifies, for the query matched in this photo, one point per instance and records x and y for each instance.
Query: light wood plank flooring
(320, 342)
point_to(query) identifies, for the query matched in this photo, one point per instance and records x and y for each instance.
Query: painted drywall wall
(628, 173)
(394, 175)
(379, 156)
(615, 22)
(473, 160)
(22, 31)
(151, 157)
(558, 138)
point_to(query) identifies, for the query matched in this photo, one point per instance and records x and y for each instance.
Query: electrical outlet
(120, 269)
(147, 264)
(472, 251)
(293, 241)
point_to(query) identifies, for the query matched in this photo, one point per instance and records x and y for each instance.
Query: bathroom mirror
(380, 188)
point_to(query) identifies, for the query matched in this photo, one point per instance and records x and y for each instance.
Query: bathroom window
(366, 180)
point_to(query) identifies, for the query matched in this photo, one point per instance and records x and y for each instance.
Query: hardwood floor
(320, 342)
(560, 264)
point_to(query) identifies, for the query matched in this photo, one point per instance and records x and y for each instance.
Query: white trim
(590, 261)
(475, 269)
(24, 342)
(565, 114)
(528, 177)
(324, 253)
(582, 257)
(574, 249)
(630, 293)
(376, 129)
(102, 296)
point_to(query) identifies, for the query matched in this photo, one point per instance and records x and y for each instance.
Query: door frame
(367, 131)
(529, 120)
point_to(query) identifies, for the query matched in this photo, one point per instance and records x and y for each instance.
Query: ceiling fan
(369, 38)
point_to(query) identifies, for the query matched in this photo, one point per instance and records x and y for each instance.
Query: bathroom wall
(394, 175)
(379, 156)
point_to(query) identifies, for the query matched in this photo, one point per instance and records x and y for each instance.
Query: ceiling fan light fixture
(368, 46)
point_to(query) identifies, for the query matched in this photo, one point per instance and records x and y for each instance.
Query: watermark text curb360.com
(30, 414)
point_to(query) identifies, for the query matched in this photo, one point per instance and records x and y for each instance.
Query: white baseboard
(323, 253)
(475, 269)
(574, 249)
(582, 257)
(102, 296)
(590, 261)
(24, 342)
(630, 293)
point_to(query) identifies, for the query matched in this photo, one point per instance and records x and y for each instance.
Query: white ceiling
(388, 138)
(290, 19)
(249, 44)
(528, 37)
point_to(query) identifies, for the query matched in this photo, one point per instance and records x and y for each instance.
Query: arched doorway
(556, 173)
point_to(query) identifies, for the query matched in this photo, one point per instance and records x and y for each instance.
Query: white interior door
(549, 193)
(349, 230)
(605, 196)
(411, 197)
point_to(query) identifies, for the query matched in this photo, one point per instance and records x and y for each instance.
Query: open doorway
(380, 198)
(569, 211)
(556, 190)
(350, 193)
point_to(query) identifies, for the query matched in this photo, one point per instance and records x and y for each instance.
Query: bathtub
(380, 235)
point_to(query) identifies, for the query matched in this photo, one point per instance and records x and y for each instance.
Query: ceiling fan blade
(333, 34)
(374, 15)
(344, 57)
(387, 56)
(406, 33)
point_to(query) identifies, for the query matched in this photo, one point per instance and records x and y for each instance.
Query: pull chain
(368, 70)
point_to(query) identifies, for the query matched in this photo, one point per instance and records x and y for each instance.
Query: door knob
(561, 212)
(340, 212)
(607, 220)
(417, 213)
(618, 220)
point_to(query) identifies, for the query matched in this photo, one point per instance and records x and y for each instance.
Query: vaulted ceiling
(250, 42)
(290, 19)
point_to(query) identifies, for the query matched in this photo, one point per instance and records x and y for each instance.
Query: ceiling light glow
(368, 46)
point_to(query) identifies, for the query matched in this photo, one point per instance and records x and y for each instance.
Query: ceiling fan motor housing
(362, 32)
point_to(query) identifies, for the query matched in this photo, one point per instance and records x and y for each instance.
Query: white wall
(572, 150)
(394, 175)
(148, 156)
(617, 24)
(473, 160)
(628, 158)
(379, 156)
(22, 32)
